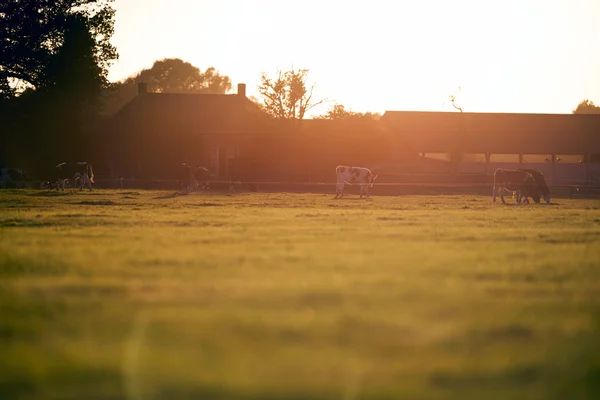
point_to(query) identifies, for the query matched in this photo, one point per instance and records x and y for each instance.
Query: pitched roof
(200, 113)
(433, 132)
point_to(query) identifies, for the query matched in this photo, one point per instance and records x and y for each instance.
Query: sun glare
(514, 56)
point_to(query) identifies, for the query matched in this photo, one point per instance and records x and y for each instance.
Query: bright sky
(540, 56)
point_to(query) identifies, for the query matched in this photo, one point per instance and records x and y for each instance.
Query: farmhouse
(152, 135)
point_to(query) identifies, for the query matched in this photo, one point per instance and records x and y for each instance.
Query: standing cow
(10, 176)
(193, 178)
(353, 175)
(515, 180)
(78, 171)
(540, 182)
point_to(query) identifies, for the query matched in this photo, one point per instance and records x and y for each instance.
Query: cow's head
(373, 177)
(546, 194)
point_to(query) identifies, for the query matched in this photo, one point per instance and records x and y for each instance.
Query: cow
(353, 175)
(540, 183)
(78, 171)
(202, 176)
(515, 180)
(11, 176)
(191, 179)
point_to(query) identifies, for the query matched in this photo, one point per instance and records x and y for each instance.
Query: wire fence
(416, 184)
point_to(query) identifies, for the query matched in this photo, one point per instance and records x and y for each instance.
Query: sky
(525, 56)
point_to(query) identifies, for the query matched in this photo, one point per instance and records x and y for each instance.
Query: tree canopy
(340, 112)
(169, 75)
(33, 32)
(287, 95)
(587, 107)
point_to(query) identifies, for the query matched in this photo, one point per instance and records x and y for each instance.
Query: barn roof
(438, 132)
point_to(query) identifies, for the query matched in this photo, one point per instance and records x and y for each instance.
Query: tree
(457, 156)
(587, 107)
(339, 112)
(286, 96)
(170, 75)
(31, 32)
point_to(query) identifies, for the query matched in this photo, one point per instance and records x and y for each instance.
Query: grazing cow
(202, 176)
(11, 176)
(515, 180)
(540, 183)
(191, 179)
(78, 171)
(353, 175)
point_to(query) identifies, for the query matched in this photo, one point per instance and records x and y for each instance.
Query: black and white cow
(79, 172)
(540, 182)
(12, 176)
(353, 175)
(514, 180)
(193, 178)
(202, 176)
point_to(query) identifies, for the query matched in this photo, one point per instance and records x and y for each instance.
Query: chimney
(142, 87)
(242, 89)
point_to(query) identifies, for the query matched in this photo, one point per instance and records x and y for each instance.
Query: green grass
(297, 296)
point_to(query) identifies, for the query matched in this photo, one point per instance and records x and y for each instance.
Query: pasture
(145, 295)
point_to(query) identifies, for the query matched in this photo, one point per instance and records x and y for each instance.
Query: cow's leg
(494, 191)
(339, 191)
(364, 189)
(501, 189)
(85, 180)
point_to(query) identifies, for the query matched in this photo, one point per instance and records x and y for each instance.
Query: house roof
(200, 113)
(438, 132)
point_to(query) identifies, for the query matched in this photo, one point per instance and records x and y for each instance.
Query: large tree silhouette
(54, 57)
(170, 75)
(32, 32)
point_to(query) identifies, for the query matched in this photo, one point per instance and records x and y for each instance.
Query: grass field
(145, 295)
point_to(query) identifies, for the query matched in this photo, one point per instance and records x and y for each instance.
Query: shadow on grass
(571, 371)
(352, 198)
(97, 203)
(530, 204)
(72, 382)
(223, 393)
(50, 194)
(18, 266)
(24, 223)
(171, 196)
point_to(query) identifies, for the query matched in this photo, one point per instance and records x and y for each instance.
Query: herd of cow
(78, 174)
(523, 183)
